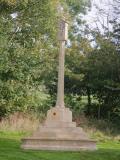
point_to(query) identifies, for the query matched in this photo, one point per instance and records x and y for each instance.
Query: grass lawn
(10, 150)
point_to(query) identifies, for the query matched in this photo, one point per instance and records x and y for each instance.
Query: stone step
(60, 133)
(59, 124)
(54, 135)
(60, 129)
(58, 144)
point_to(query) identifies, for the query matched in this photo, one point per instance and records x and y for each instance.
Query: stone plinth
(59, 133)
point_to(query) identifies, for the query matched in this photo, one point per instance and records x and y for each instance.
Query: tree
(29, 51)
(26, 47)
(102, 75)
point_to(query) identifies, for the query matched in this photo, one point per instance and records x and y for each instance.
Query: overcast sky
(95, 17)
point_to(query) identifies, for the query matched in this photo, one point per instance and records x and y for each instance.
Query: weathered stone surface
(58, 144)
(59, 133)
(59, 114)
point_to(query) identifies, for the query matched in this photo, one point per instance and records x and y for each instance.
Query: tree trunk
(89, 100)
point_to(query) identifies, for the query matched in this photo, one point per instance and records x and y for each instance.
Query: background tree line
(29, 59)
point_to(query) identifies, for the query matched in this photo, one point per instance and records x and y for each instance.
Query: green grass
(10, 150)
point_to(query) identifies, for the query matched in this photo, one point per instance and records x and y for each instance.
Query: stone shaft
(60, 90)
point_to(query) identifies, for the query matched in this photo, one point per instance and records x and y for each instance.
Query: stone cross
(59, 132)
(62, 37)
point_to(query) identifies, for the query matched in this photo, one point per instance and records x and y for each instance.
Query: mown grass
(10, 150)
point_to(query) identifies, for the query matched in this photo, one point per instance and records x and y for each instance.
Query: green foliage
(77, 6)
(95, 72)
(28, 52)
(103, 75)
(75, 104)
(26, 43)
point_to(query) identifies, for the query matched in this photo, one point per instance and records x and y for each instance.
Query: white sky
(96, 18)
(14, 15)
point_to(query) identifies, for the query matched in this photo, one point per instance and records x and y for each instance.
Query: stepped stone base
(59, 133)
